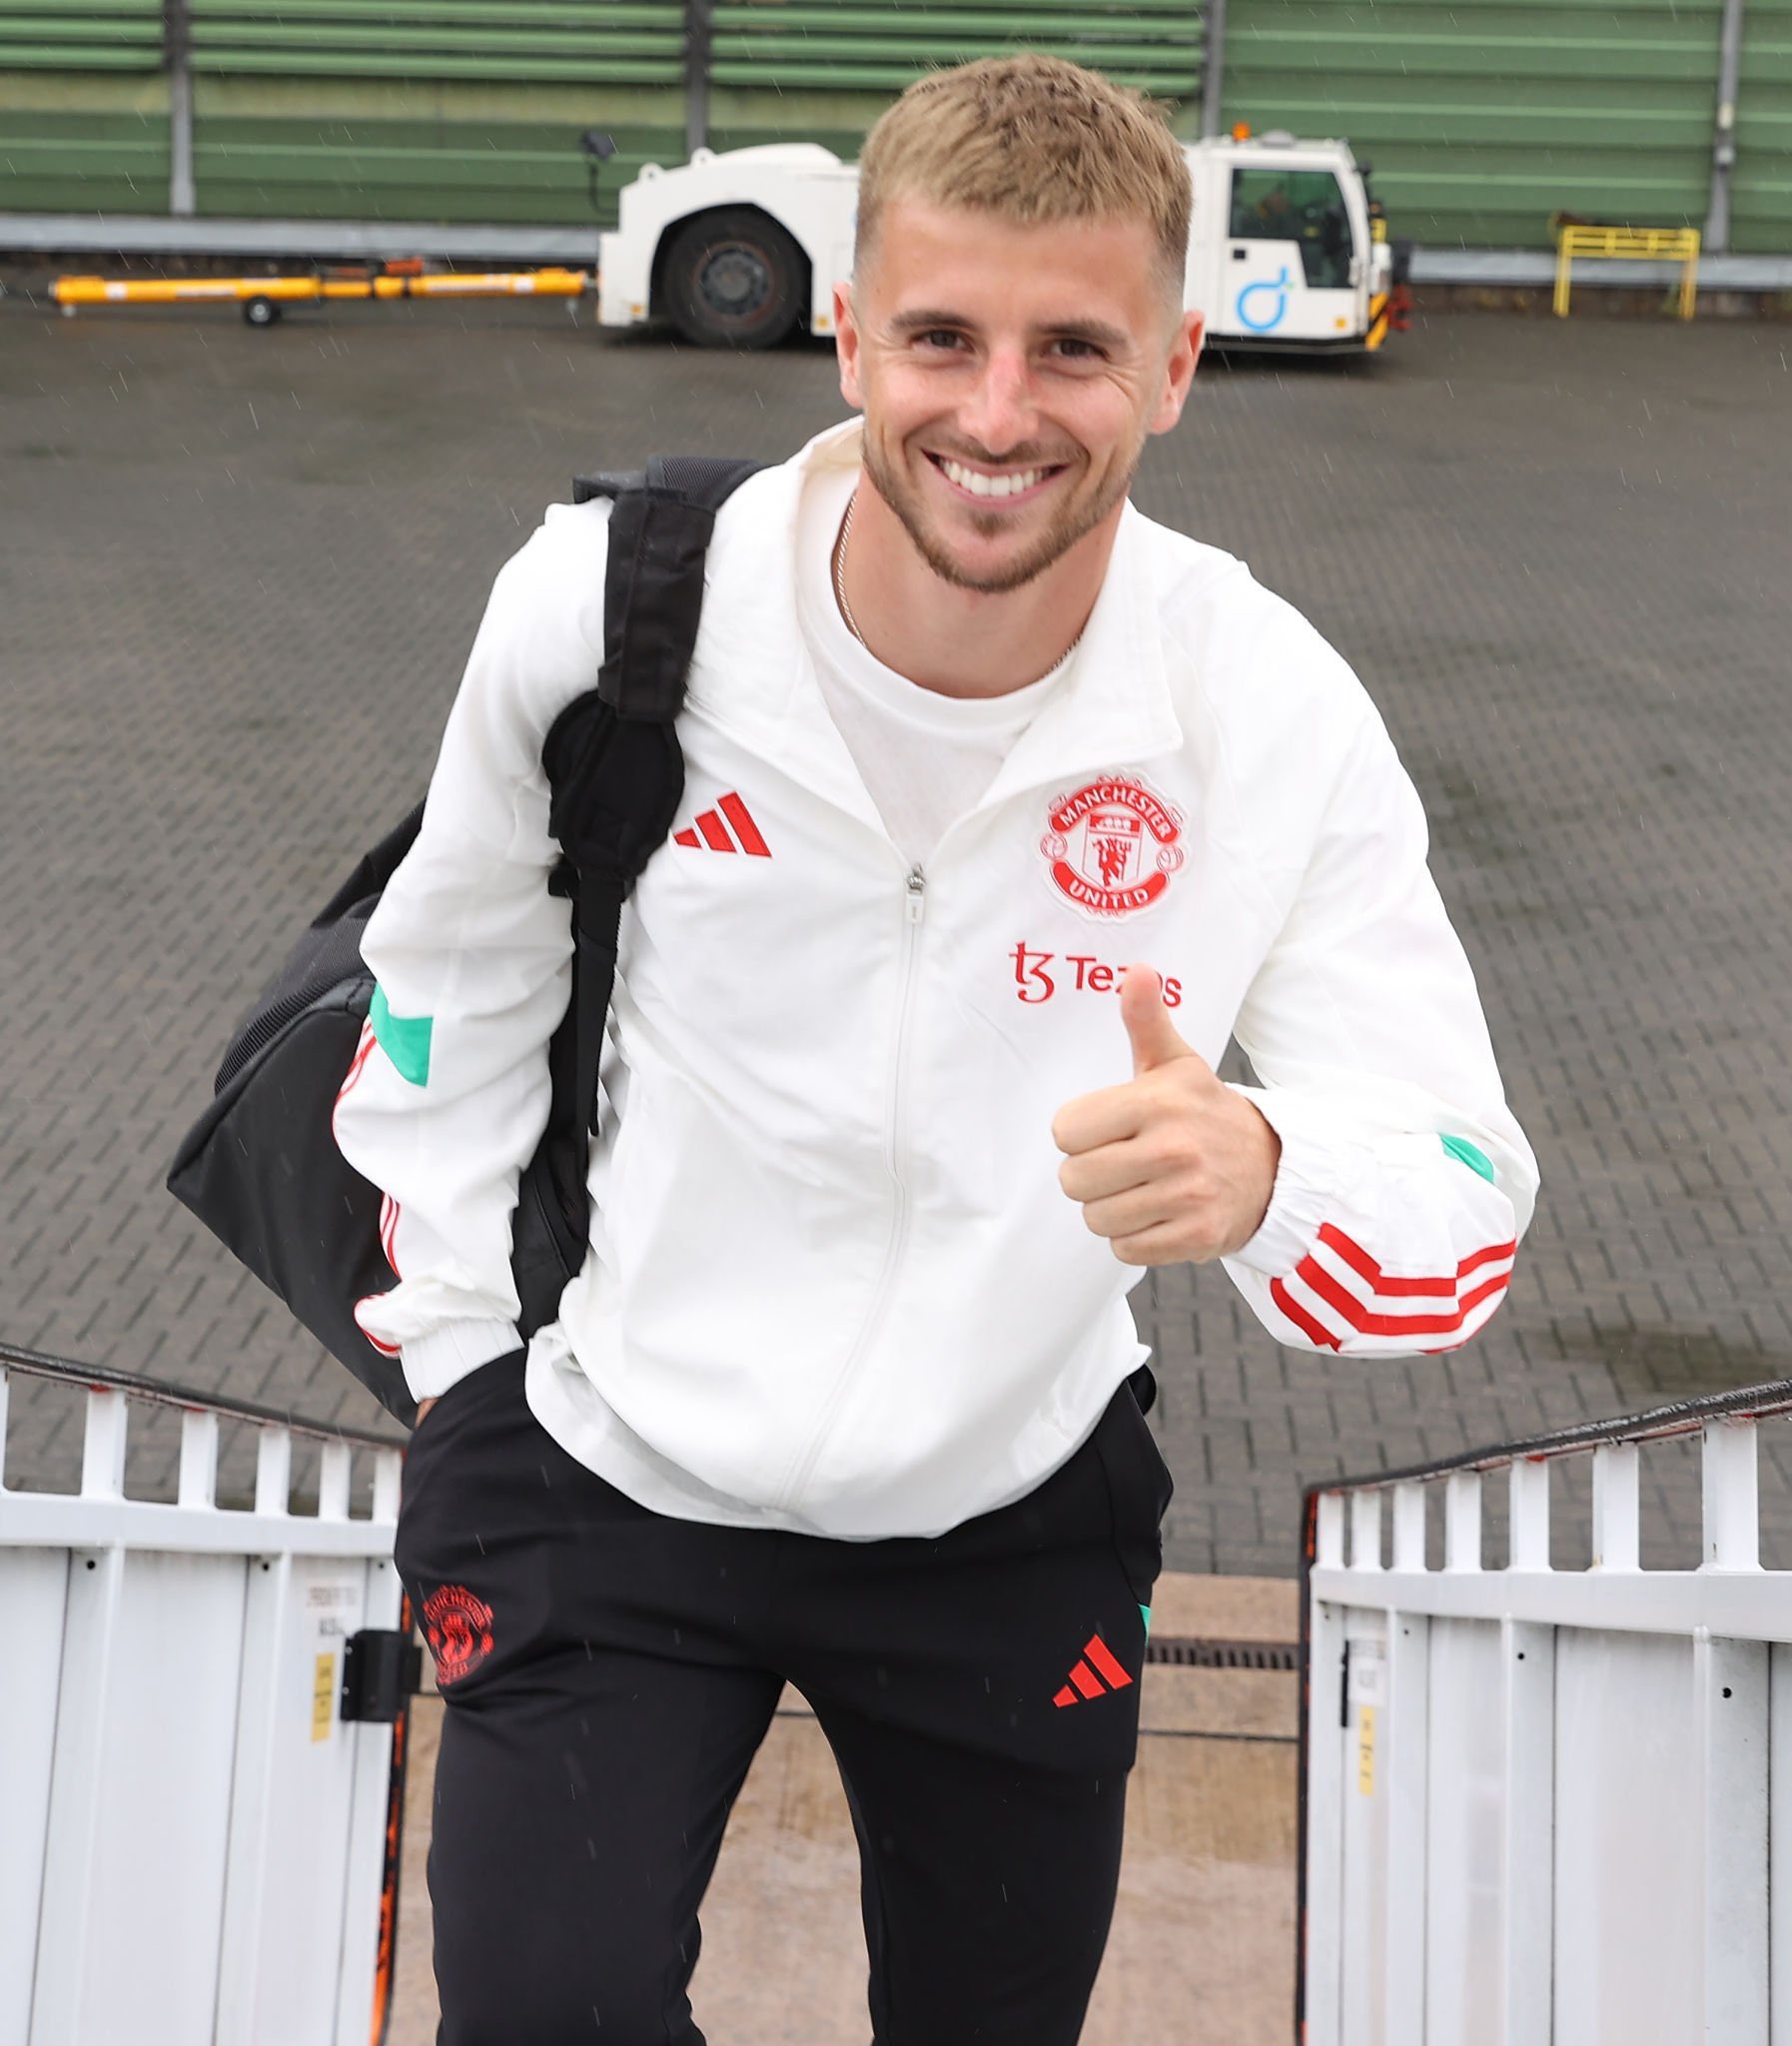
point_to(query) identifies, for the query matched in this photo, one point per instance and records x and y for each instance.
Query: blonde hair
(1030, 137)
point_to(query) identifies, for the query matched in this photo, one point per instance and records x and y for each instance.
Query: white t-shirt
(924, 758)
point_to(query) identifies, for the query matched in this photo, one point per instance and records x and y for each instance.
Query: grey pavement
(239, 572)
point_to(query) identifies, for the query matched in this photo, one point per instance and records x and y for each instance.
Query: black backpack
(260, 1168)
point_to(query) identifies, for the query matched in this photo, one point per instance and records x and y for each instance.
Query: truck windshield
(1304, 207)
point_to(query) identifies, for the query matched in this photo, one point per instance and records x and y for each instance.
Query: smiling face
(1010, 376)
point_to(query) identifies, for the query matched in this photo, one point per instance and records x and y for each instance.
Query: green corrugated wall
(1761, 202)
(82, 106)
(823, 70)
(465, 110)
(1482, 118)
(471, 110)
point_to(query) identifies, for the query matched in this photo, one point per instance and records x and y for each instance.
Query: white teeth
(981, 485)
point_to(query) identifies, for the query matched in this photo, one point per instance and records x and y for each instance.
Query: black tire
(733, 279)
(260, 312)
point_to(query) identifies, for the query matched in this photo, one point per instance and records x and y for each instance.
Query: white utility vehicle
(736, 249)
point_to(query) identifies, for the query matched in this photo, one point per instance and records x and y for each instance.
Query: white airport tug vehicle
(1288, 249)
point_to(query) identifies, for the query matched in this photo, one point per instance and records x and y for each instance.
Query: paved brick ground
(240, 572)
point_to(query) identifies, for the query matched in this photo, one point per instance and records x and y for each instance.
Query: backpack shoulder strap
(614, 770)
(660, 533)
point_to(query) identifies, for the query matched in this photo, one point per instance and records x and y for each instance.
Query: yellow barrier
(1659, 245)
(261, 296)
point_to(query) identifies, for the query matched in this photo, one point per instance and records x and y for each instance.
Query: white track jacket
(834, 1285)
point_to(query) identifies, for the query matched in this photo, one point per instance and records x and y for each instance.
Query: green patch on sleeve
(1144, 1615)
(1471, 1156)
(404, 1039)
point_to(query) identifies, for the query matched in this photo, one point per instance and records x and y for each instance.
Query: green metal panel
(602, 42)
(1483, 118)
(83, 142)
(823, 70)
(80, 35)
(62, 163)
(462, 110)
(341, 148)
(1761, 196)
(1480, 118)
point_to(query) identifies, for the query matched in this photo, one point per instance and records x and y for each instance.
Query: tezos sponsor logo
(1112, 846)
(1080, 972)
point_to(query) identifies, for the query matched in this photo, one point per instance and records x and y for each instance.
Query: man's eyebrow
(1097, 331)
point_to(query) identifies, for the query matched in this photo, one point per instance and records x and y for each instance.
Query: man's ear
(847, 345)
(1179, 371)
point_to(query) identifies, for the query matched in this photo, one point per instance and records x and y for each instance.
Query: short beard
(1054, 544)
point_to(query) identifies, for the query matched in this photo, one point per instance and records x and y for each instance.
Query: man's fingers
(1108, 1169)
(1130, 1213)
(1109, 1116)
(1159, 1246)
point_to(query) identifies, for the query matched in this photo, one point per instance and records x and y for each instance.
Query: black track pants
(609, 1673)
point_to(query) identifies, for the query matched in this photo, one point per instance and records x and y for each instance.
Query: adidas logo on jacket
(834, 1285)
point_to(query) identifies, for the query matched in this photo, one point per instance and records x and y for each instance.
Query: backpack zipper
(914, 917)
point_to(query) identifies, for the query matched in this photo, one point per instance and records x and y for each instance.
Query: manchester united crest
(1112, 846)
(458, 1627)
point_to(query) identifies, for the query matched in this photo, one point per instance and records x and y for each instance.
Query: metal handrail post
(698, 35)
(1212, 67)
(177, 44)
(1723, 128)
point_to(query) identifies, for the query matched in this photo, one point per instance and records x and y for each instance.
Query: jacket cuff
(442, 1357)
(1316, 1165)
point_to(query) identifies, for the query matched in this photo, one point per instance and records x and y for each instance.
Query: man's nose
(1002, 411)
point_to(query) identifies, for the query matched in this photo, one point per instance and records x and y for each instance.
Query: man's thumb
(1147, 1024)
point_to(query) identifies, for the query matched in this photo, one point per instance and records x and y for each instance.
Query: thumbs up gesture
(1173, 1166)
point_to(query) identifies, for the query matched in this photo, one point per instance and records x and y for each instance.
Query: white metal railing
(1548, 1808)
(194, 1844)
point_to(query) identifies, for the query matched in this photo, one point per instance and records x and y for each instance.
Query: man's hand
(423, 1407)
(1173, 1166)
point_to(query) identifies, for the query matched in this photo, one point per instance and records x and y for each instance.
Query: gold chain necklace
(852, 624)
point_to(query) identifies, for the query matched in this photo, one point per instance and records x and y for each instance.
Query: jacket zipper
(914, 915)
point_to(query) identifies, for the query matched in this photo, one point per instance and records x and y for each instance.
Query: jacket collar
(752, 674)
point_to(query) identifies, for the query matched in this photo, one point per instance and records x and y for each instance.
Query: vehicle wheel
(734, 278)
(260, 312)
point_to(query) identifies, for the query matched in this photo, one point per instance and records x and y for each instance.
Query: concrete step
(1202, 1947)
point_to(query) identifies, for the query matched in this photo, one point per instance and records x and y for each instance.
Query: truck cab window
(1304, 207)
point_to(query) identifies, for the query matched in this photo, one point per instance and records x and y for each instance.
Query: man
(1005, 808)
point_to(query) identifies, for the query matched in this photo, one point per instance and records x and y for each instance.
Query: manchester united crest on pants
(458, 1627)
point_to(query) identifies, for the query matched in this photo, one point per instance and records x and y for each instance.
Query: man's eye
(1077, 351)
(940, 336)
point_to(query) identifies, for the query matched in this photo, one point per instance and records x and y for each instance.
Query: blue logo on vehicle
(1278, 289)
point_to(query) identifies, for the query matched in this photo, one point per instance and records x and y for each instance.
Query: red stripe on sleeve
(1302, 1320)
(363, 1052)
(384, 1348)
(1486, 1257)
(1360, 1317)
(1365, 1266)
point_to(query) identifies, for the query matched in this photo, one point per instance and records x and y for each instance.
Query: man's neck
(964, 642)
